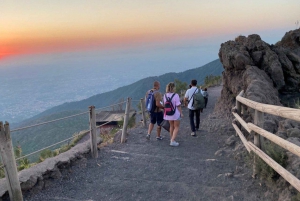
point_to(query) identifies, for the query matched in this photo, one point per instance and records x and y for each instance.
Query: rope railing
(62, 140)
(110, 106)
(47, 122)
(9, 166)
(103, 124)
(50, 146)
(58, 142)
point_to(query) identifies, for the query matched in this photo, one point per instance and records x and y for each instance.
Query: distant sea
(31, 84)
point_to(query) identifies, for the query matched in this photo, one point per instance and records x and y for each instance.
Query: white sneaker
(174, 144)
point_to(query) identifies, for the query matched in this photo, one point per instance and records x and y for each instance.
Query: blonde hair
(170, 87)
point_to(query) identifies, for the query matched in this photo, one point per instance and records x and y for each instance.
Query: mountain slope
(138, 89)
(44, 135)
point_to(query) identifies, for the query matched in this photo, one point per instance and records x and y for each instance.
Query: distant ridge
(135, 90)
(42, 136)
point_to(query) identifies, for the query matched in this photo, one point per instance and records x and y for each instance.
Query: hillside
(38, 137)
(137, 89)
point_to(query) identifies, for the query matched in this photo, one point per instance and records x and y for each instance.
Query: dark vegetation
(265, 172)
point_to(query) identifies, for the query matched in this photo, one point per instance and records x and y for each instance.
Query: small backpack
(168, 106)
(198, 100)
(150, 101)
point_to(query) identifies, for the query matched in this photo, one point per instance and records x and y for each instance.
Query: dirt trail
(152, 170)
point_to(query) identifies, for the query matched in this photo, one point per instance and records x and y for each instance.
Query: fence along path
(7, 152)
(257, 131)
(153, 170)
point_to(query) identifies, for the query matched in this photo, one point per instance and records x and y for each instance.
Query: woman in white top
(174, 119)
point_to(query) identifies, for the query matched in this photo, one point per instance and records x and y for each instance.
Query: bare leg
(176, 129)
(150, 128)
(171, 128)
(158, 129)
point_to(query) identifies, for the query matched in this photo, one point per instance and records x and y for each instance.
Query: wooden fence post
(258, 140)
(9, 162)
(93, 135)
(238, 108)
(126, 118)
(243, 112)
(143, 112)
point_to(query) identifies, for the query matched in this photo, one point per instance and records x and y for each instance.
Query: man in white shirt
(188, 101)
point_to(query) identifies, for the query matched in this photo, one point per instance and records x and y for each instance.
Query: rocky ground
(201, 168)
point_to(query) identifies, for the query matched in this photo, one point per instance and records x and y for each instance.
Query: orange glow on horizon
(34, 27)
(22, 46)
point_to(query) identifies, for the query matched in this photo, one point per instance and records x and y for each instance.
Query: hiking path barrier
(259, 133)
(7, 151)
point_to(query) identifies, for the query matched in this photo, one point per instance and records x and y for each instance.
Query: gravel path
(152, 170)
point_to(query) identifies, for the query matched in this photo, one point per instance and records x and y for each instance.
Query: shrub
(47, 153)
(2, 173)
(296, 197)
(22, 163)
(212, 80)
(277, 154)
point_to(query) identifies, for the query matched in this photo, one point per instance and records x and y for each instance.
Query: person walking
(174, 119)
(205, 95)
(188, 101)
(156, 117)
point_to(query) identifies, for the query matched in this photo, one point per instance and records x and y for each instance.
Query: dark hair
(205, 89)
(194, 82)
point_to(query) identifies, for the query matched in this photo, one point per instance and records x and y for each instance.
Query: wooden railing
(257, 130)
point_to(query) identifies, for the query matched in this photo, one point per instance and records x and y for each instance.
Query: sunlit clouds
(33, 27)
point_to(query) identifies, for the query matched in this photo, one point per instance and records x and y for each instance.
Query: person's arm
(186, 99)
(146, 95)
(179, 106)
(158, 100)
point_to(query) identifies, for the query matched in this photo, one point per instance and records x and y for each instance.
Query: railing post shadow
(143, 112)
(238, 108)
(93, 136)
(125, 123)
(9, 162)
(258, 140)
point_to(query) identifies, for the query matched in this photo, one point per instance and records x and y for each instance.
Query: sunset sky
(32, 27)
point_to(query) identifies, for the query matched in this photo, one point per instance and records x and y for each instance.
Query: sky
(41, 27)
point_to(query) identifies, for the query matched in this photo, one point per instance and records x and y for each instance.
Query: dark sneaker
(159, 138)
(148, 137)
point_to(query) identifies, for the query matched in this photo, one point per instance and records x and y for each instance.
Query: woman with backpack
(172, 112)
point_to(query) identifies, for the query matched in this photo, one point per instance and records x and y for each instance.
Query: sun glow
(52, 26)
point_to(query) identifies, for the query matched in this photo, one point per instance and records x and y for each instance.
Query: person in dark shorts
(156, 117)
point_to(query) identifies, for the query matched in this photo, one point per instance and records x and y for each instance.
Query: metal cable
(55, 121)
(18, 129)
(103, 124)
(110, 106)
(48, 147)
